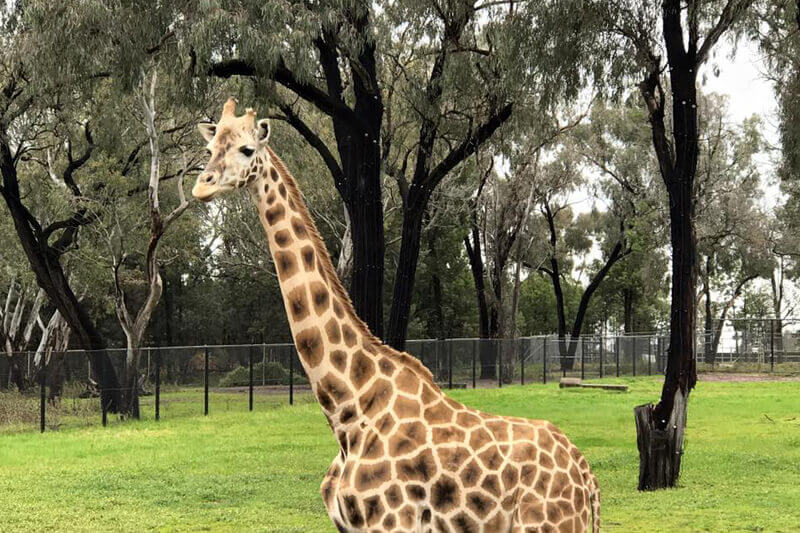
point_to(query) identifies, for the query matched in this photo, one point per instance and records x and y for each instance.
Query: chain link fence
(182, 381)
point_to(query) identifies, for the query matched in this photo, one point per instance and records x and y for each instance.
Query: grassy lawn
(235, 470)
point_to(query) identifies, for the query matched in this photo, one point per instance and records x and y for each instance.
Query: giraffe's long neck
(343, 361)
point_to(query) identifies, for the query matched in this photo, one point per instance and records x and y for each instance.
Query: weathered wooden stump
(569, 382)
(660, 444)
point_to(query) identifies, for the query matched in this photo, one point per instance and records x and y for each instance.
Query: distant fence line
(454, 363)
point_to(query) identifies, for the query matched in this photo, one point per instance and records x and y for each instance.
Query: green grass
(235, 470)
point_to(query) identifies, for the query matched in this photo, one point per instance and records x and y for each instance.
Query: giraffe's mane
(403, 358)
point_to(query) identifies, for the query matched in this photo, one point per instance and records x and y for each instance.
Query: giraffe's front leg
(329, 489)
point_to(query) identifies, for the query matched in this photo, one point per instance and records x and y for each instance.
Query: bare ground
(743, 377)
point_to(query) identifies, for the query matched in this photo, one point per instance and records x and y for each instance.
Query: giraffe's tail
(594, 498)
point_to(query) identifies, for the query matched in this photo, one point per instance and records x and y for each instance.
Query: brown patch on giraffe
(491, 485)
(428, 396)
(527, 475)
(273, 174)
(389, 521)
(349, 336)
(510, 477)
(336, 388)
(282, 190)
(446, 434)
(333, 332)
(415, 492)
(546, 460)
(467, 420)
(522, 432)
(386, 366)
(499, 429)
(319, 296)
(575, 475)
(309, 345)
(307, 253)
(373, 510)
(266, 187)
(438, 414)
(337, 308)
(407, 381)
(532, 510)
(407, 515)
(470, 474)
(339, 360)
(347, 415)
(562, 457)
(271, 198)
(452, 403)
(285, 264)
(463, 523)
(419, 468)
(559, 485)
(385, 424)
(370, 476)
(373, 447)
(408, 437)
(497, 523)
(479, 438)
(282, 238)
(545, 440)
(523, 452)
(274, 214)
(406, 407)
(299, 228)
(361, 369)
(298, 303)
(491, 458)
(352, 511)
(394, 497)
(452, 459)
(480, 504)
(376, 398)
(325, 401)
(445, 494)
(542, 482)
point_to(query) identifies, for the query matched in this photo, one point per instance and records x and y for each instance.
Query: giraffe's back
(447, 467)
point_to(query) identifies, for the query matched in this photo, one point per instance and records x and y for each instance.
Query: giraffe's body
(410, 458)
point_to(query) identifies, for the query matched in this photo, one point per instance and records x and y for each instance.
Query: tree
(689, 32)
(24, 126)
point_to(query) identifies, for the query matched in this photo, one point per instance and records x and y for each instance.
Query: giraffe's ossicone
(410, 459)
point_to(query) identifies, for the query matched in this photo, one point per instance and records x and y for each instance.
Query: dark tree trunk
(709, 347)
(660, 427)
(404, 279)
(627, 310)
(436, 285)
(486, 352)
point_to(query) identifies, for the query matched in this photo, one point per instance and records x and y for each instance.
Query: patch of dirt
(742, 378)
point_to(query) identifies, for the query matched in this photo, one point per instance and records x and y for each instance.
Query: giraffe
(410, 458)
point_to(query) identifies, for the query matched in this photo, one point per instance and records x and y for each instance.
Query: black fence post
(104, 411)
(205, 381)
(158, 384)
(475, 343)
(772, 345)
(602, 349)
(583, 357)
(43, 395)
(616, 352)
(633, 355)
(450, 364)
(499, 363)
(291, 375)
(649, 356)
(250, 351)
(521, 362)
(544, 360)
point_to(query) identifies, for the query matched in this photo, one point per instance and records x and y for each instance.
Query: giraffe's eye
(247, 151)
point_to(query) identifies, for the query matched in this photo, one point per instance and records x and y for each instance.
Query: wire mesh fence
(62, 392)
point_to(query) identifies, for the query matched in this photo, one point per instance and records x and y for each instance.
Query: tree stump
(660, 446)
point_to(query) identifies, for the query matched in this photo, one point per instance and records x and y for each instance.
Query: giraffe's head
(234, 145)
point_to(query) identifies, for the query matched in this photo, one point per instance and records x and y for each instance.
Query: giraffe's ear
(262, 131)
(207, 130)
